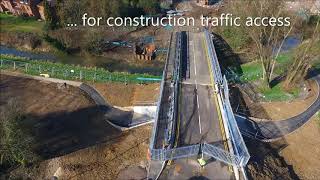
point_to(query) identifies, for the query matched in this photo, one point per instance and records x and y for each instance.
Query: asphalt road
(198, 116)
(199, 120)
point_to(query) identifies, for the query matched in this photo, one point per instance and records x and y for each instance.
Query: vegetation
(251, 72)
(274, 74)
(16, 140)
(55, 43)
(236, 42)
(71, 11)
(303, 60)
(265, 38)
(73, 72)
(51, 16)
(10, 23)
(317, 116)
(277, 93)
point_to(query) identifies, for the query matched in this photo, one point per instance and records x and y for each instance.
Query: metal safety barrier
(164, 75)
(239, 148)
(221, 154)
(175, 153)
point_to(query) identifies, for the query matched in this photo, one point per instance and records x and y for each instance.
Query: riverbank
(103, 47)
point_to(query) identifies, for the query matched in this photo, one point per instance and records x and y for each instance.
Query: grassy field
(276, 93)
(252, 72)
(10, 23)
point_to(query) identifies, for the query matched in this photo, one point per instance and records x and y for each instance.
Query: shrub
(15, 140)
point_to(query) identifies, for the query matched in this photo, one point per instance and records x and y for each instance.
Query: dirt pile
(266, 163)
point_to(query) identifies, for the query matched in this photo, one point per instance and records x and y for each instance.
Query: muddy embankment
(25, 41)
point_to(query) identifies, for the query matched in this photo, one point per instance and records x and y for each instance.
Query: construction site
(160, 102)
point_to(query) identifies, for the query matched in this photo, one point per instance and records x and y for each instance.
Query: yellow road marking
(217, 103)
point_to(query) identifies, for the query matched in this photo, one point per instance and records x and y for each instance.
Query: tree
(15, 140)
(51, 16)
(303, 59)
(268, 40)
(70, 11)
(149, 6)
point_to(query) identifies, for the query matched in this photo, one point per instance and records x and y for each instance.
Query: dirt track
(39, 97)
(62, 119)
(71, 133)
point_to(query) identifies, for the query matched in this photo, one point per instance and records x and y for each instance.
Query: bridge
(195, 122)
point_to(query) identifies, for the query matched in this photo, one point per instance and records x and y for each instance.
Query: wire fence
(73, 72)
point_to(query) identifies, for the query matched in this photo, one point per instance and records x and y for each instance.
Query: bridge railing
(218, 79)
(164, 76)
(176, 84)
(238, 146)
(221, 154)
(175, 153)
(236, 137)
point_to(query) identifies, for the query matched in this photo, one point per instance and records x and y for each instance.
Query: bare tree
(303, 59)
(268, 40)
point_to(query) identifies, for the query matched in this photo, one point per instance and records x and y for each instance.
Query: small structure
(203, 2)
(144, 52)
(209, 3)
(31, 8)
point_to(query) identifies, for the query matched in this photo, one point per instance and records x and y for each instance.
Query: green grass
(284, 58)
(318, 118)
(10, 23)
(276, 93)
(251, 72)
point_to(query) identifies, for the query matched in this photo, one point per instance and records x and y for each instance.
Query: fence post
(65, 73)
(80, 74)
(14, 65)
(39, 69)
(52, 71)
(1, 62)
(26, 66)
(95, 74)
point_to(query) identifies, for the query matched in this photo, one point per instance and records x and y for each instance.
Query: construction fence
(73, 72)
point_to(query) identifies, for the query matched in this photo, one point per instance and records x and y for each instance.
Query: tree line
(70, 11)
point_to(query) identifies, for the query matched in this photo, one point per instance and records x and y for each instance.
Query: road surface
(198, 114)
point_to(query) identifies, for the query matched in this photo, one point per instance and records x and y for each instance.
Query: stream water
(290, 43)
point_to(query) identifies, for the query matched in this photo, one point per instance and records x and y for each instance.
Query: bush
(35, 41)
(55, 43)
(16, 140)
